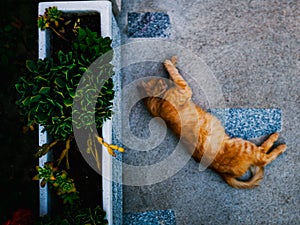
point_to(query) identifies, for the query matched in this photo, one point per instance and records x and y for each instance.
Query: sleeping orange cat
(203, 134)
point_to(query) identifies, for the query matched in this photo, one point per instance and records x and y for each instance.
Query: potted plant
(47, 92)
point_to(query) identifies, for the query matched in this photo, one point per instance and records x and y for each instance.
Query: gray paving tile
(253, 48)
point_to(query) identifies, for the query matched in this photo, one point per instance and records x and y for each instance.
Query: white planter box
(104, 8)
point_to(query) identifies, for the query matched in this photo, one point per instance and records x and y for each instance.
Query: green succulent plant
(52, 14)
(53, 20)
(45, 174)
(76, 215)
(42, 22)
(47, 90)
(47, 93)
(59, 180)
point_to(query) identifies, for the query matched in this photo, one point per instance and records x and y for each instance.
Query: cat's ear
(162, 84)
(144, 87)
(144, 84)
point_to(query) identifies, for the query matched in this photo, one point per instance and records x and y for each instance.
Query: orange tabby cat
(203, 133)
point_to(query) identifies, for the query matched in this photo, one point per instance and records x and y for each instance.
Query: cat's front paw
(171, 62)
(167, 62)
(174, 60)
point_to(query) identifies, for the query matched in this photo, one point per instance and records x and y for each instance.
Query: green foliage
(46, 93)
(45, 174)
(42, 23)
(52, 14)
(75, 215)
(47, 90)
(51, 18)
(58, 180)
(88, 46)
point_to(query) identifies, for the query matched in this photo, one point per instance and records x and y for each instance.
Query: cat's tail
(257, 176)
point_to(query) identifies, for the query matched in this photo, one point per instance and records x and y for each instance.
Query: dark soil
(90, 20)
(87, 181)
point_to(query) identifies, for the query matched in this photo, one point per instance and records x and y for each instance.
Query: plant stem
(46, 148)
(64, 154)
(57, 33)
(91, 216)
(96, 156)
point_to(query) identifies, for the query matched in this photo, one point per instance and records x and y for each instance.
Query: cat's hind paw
(281, 148)
(168, 62)
(171, 62)
(274, 136)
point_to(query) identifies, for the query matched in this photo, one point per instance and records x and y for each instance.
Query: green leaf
(23, 79)
(60, 107)
(55, 119)
(75, 46)
(26, 101)
(60, 93)
(51, 101)
(89, 41)
(19, 87)
(59, 82)
(72, 93)
(42, 117)
(31, 66)
(83, 47)
(40, 78)
(82, 69)
(68, 102)
(81, 34)
(60, 56)
(44, 90)
(35, 98)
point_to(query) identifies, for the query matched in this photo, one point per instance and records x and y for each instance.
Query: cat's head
(154, 87)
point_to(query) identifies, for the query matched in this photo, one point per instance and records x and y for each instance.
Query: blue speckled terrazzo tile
(166, 217)
(148, 25)
(117, 194)
(248, 123)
